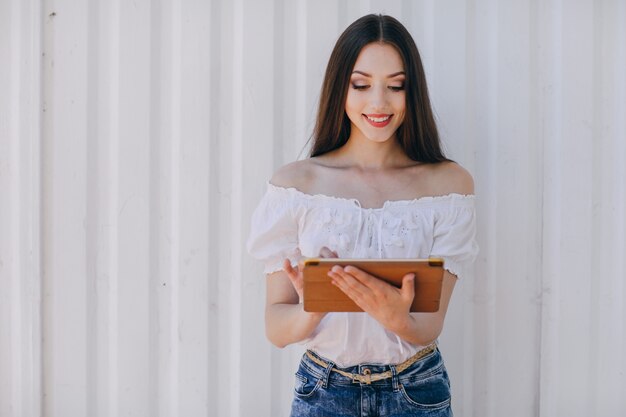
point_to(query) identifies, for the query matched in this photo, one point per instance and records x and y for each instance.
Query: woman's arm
(286, 321)
(424, 328)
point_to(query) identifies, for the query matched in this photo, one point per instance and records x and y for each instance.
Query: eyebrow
(395, 74)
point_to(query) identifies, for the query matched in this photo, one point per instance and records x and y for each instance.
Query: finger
(339, 281)
(327, 253)
(408, 287)
(366, 279)
(287, 267)
(290, 270)
(294, 277)
(347, 282)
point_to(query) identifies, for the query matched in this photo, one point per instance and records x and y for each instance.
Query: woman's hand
(295, 276)
(286, 322)
(389, 305)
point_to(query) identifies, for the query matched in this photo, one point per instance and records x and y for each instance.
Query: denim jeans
(423, 389)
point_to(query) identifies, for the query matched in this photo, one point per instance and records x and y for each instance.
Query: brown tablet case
(320, 295)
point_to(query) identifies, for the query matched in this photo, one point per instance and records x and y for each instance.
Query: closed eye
(360, 87)
(396, 88)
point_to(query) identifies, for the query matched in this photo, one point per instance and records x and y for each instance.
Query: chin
(379, 138)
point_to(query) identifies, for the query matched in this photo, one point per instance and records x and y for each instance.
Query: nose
(379, 97)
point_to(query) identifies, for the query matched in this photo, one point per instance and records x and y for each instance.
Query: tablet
(320, 295)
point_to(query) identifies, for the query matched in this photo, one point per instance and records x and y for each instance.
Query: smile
(378, 120)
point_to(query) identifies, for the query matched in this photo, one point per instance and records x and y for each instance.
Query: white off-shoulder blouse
(290, 224)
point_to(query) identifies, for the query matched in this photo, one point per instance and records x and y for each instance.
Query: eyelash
(363, 87)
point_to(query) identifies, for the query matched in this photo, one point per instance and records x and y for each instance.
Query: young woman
(376, 185)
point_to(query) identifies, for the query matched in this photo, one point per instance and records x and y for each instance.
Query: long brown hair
(418, 134)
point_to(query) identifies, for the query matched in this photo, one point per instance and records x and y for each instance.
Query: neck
(369, 155)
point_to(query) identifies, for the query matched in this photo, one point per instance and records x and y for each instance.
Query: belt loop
(326, 375)
(394, 378)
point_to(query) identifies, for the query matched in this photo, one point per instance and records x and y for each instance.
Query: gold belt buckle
(366, 376)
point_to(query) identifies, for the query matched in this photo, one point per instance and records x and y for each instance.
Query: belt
(367, 377)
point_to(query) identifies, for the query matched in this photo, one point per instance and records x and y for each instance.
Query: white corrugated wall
(137, 136)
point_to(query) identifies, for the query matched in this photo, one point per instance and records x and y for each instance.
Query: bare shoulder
(297, 174)
(450, 178)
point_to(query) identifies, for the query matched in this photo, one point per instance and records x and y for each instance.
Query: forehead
(379, 58)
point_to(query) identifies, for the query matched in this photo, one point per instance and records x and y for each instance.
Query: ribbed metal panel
(20, 202)
(136, 139)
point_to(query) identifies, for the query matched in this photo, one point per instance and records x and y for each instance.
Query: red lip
(378, 124)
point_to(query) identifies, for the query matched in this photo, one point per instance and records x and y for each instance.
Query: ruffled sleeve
(274, 230)
(455, 236)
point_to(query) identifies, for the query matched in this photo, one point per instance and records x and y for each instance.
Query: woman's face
(376, 101)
